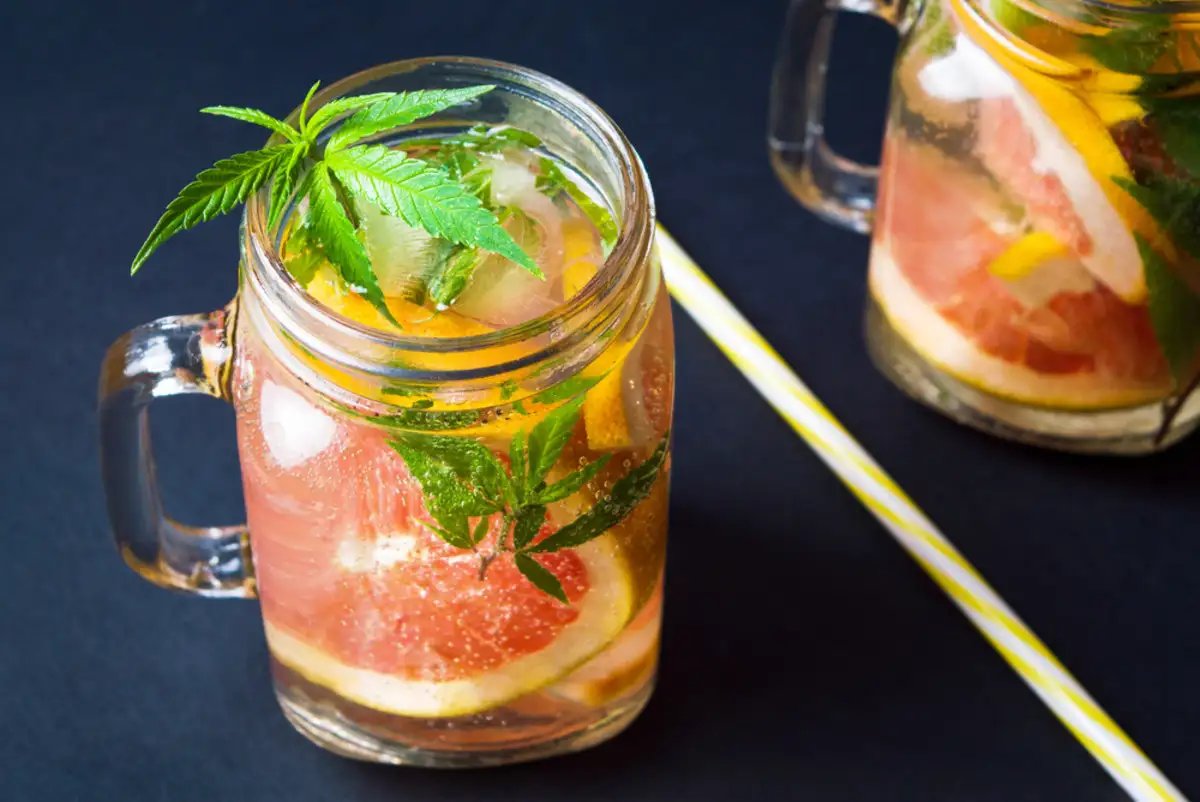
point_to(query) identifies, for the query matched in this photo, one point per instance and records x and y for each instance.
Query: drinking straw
(1027, 655)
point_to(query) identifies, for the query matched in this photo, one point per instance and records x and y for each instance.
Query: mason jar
(397, 632)
(1033, 268)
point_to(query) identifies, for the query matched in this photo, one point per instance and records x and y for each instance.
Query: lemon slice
(1038, 267)
(604, 612)
(1023, 256)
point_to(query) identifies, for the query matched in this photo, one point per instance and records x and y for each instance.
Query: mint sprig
(461, 479)
(332, 174)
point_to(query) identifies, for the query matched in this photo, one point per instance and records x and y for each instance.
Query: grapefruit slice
(360, 597)
(1036, 333)
(1053, 151)
(623, 666)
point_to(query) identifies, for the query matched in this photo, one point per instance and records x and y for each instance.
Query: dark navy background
(806, 657)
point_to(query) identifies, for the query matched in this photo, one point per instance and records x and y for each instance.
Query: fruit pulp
(391, 643)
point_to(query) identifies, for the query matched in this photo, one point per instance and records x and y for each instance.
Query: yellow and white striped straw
(1027, 655)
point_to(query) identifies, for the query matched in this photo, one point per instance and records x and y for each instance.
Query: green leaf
(1174, 313)
(304, 108)
(216, 191)
(1176, 122)
(548, 439)
(256, 117)
(508, 389)
(497, 139)
(517, 465)
(573, 482)
(424, 197)
(302, 255)
(529, 522)
(327, 113)
(422, 421)
(450, 278)
(471, 462)
(568, 388)
(454, 530)
(627, 492)
(1175, 205)
(481, 530)
(541, 577)
(445, 496)
(283, 183)
(331, 226)
(553, 180)
(401, 109)
(1131, 50)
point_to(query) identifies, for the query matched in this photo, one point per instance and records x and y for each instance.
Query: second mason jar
(1034, 265)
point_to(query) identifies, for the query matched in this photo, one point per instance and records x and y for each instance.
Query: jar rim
(301, 315)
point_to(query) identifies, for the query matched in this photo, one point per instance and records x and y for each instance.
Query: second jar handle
(170, 356)
(836, 188)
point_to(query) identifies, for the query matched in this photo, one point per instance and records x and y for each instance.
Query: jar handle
(833, 187)
(169, 356)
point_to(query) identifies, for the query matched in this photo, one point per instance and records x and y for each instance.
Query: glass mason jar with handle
(1035, 266)
(457, 529)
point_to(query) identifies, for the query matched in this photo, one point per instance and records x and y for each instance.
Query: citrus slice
(359, 596)
(1040, 333)
(1054, 152)
(631, 406)
(416, 634)
(946, 346)
(627, 663)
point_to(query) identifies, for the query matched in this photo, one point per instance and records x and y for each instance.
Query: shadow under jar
(1035, 262)
(399, 633)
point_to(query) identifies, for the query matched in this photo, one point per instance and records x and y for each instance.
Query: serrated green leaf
(553, 180)
(303, 118)
(449, 278)
(497, 139)
(573, 482)
(302, 255)
(530, 521)
(422, 421)
(402, 109)
(331, 226)
(1132, 50)
(455, 530)
(329, 112)
(541, 577)
(424, 197)
(445, 496)
(481, 530)
(283, 183)
(216, 191)
(1175, 205)
(517, 464)
(255, 117)
(568, 388)
(1174, 313)
(548, 439)
(627, 492)
(1176, 122)
(471, 462)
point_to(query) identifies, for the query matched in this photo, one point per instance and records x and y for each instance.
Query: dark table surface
(805, 656)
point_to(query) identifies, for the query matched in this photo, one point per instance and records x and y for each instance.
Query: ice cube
(968, 73)
(294, 430)
(513, 183)
(399, 253)
(504, 294)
